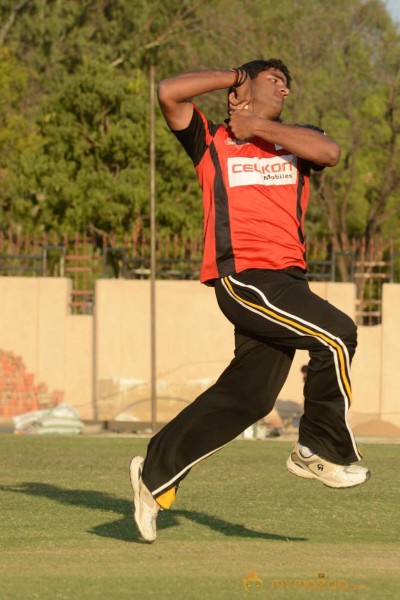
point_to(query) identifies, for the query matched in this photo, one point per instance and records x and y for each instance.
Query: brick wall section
(18, 391)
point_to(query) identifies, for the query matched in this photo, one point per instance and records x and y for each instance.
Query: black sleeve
(193, 138)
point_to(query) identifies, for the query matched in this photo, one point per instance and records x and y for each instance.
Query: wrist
(240, 77)
(261, 125)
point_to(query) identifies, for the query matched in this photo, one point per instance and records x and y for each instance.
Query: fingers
(237, 106)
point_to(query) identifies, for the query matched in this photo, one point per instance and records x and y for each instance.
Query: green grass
(66, 530)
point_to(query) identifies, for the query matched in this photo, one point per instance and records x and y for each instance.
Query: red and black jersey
(255, 196)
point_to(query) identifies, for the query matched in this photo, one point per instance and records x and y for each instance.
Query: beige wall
(79, 364)
(193, 345)
(102, 362)
(32, 325)
(390, 357)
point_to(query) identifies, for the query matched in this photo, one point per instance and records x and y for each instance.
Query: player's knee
(349, 335)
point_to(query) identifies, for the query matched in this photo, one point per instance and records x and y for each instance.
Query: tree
(77, 108)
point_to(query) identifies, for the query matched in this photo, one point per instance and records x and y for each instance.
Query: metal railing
(83, 263)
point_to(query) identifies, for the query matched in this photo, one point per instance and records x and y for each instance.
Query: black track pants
(274, 313)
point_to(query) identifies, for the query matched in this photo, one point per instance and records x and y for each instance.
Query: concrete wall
(193, 346)
(56, 348)
(389, 405)
(101, 363)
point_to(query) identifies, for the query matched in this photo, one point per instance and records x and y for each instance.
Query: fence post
(153, 347)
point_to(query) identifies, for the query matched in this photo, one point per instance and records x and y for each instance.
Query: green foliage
(88, 171)
(74, 111)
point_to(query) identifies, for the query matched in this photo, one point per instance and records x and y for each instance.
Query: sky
(393, 7)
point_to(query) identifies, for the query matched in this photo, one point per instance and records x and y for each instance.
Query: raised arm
(174, 93)
(303, 142)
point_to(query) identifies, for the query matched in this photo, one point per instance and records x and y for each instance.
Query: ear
(232, 96)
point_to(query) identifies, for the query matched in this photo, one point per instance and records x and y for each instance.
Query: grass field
(66, 529)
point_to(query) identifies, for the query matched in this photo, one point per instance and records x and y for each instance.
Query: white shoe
(332, 475)
(145, 508)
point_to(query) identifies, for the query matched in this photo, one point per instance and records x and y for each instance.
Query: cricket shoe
(145, 508)
(331, 474)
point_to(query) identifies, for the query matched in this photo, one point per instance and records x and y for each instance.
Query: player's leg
(282, 308)
(245, 392)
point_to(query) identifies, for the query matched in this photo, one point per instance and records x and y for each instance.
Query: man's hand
(242, 124)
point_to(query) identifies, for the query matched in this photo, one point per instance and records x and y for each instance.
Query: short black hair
(254, 67)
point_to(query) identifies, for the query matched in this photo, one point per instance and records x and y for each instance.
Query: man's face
(269, 90)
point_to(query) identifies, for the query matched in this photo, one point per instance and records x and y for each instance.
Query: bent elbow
(162, 91)
(333, 155)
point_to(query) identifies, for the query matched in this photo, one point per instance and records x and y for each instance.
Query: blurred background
(75, 117)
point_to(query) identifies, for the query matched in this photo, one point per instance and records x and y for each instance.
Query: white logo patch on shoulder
(276, 170)
(235, 142)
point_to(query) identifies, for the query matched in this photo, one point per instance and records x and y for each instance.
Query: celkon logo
(277, 170)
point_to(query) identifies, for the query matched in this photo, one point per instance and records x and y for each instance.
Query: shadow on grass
(123, 528)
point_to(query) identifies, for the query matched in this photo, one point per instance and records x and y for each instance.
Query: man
(255, 179)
